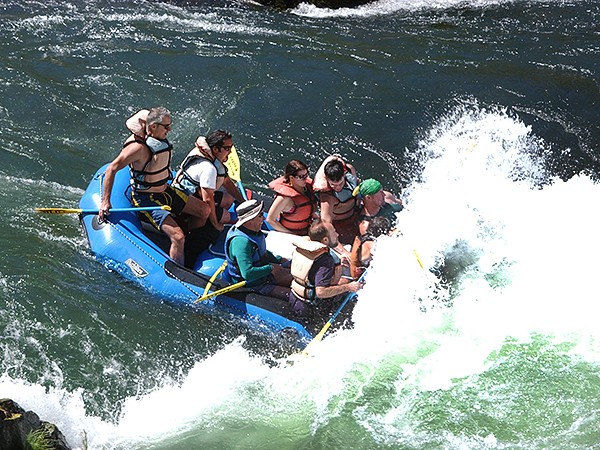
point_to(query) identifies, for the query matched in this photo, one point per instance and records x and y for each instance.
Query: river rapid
(483, 115)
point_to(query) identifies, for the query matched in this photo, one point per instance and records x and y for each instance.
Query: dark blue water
(484, 116)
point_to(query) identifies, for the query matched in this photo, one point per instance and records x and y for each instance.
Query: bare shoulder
(351, 169)
(134, 152)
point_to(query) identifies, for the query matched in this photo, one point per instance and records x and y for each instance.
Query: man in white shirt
(202, 173)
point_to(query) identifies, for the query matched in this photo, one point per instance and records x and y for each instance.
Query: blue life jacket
(345, 195)
(259, 257)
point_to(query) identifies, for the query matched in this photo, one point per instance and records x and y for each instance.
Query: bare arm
(280, 204)
(355, 258)
(231, 187)
(332, 291)
(352, 170)
(362, 226)
(327, 204)
(367, 250)
(391, 198)
(208, 196)
(129, 155)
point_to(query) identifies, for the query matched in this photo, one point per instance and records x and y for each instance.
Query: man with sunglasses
(149, 165)
(203, 172)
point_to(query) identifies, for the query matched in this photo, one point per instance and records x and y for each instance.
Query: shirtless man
(149, 164)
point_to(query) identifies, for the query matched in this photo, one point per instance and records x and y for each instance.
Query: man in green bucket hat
(376, 203)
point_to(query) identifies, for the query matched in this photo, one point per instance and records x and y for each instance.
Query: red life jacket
(299, 218)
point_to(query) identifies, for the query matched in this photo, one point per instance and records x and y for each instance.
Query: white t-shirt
(205, 173)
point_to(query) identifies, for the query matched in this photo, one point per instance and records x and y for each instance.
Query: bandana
(369, 187)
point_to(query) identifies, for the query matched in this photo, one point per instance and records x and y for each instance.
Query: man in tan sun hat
(149, 162)
(248, 258)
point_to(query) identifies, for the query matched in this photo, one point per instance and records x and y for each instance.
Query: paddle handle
(242, 190)
(214, 277)
(132, 209)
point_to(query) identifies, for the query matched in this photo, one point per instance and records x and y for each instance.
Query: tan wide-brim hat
(248, 210)
(137, 122)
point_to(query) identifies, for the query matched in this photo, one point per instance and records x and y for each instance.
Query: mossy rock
(23, 430)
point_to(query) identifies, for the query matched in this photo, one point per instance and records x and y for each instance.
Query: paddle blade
(58, 210)
(317, 338)
(233, 165)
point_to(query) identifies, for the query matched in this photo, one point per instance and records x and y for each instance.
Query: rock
(288, 4)
(334, 4)
(21, 430)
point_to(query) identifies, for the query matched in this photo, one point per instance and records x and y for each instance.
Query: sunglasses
(301, 177)
(227, 148)
(167, 126)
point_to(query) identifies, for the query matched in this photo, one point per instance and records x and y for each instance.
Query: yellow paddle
(418, 259)
(233, 170)
(213, 278)
(319, 337)
(221, 291)
(95, 211)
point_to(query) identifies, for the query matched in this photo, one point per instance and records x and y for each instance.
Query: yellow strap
(214, 277)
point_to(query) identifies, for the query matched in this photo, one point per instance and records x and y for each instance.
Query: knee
(226, 217)
(176, 235)
(227, 201)
(200, 207)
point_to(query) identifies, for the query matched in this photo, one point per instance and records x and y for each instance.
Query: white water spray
(517, 259)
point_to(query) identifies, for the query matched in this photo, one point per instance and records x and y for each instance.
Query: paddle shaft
(418, 259)
(221, 291)
(95, 211)
(242, 190)
(321, 333)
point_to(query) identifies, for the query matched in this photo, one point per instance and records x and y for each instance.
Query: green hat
(369, 187)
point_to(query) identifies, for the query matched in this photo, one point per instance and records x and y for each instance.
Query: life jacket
(306, 253)
(388, 210)
(189, 184)
(357, 265)
(347, 203)
(299, 218)
(259, 257)
(157, 170)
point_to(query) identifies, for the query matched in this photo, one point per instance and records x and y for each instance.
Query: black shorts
(218, 195)
(171, 196)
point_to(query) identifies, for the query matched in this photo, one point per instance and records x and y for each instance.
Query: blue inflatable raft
(124, 245)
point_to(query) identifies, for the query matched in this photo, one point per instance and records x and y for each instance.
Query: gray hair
(156, 115)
